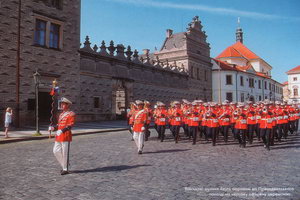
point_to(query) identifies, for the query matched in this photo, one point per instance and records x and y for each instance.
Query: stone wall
(62, 63)
(104, 70)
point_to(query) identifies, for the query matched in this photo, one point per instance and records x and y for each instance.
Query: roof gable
(294, 70)
(238, 50)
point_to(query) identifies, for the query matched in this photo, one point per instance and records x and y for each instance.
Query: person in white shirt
(8, 120)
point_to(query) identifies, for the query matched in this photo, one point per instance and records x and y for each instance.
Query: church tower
(239, 33)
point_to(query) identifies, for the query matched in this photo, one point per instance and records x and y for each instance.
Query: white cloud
(199, 7)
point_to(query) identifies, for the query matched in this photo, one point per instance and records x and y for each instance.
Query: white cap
(65, 100)
(138, 102)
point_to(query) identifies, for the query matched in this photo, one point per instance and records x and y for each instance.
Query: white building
(293, 84)
(240, 75)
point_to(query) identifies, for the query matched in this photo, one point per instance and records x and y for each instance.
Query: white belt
(243, 121)
(162, 119)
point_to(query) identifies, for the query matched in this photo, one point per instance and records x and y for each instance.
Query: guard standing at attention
(63, 136)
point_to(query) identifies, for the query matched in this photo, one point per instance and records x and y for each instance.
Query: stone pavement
(26, 133)
(107, 166)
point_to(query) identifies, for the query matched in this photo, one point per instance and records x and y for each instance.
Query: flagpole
(52, 93)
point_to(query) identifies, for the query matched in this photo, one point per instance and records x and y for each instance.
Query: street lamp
(36, 77)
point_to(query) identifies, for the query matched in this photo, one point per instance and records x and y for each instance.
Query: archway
(120, 98)
(251, 98)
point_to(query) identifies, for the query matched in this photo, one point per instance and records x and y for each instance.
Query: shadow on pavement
(108, 169)
(166, 151)
(285, 147)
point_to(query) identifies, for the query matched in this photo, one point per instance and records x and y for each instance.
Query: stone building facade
(100, 81)
(181, 69)
(49, 42)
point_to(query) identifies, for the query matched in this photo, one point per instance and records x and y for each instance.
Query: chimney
(169, 33)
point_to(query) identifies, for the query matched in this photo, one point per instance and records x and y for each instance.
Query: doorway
(120, 105)
(45, 102)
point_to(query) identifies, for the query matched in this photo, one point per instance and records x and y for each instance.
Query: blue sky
(271, 27)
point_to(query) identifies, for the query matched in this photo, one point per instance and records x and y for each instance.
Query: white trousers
(139, 138)
(60, 151)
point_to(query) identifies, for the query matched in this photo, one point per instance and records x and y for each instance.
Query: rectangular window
(40, 32)
(228, 80)
(295, 92)
(229, 96)
(295, 79)
(205, 75)
(265, 85)
(242, 80)
(251, 82)
(54, 36)
(259, 98)
(259, 84)
(96, 102)
(242, 97)
(269, 86)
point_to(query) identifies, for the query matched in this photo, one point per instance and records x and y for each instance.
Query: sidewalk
(84, 128)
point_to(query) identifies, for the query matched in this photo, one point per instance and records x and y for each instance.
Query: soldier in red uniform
(251, 122)
(130, 116)
(176, 116)
(224, 120)
(186, 112)
(139, 123)
(63, 135)
(161, 117)
(194, 122)
(212, 123)
(241, 126)
(149, 112)
(266, 127)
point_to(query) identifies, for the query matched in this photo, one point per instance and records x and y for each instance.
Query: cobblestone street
(107, 166)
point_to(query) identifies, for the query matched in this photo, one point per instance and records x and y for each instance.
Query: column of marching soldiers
(267, 121)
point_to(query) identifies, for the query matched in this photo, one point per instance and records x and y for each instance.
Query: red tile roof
(225, 66)
(262, 75)
(294, 70)
(238, 50)
(285, 83)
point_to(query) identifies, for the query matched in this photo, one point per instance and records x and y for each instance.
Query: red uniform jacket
(161, 116)
(66, 119)
(266, 121)
(140, 118)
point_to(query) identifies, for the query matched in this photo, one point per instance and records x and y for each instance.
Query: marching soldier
(63, 135)
(224, 120)
(266, 127)
(194, 122)
(251, 122)
(212, 124)
(161, 117)
(176, 116)
(149, 111)
(241, 126)
(130, 117)
(139, 124)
